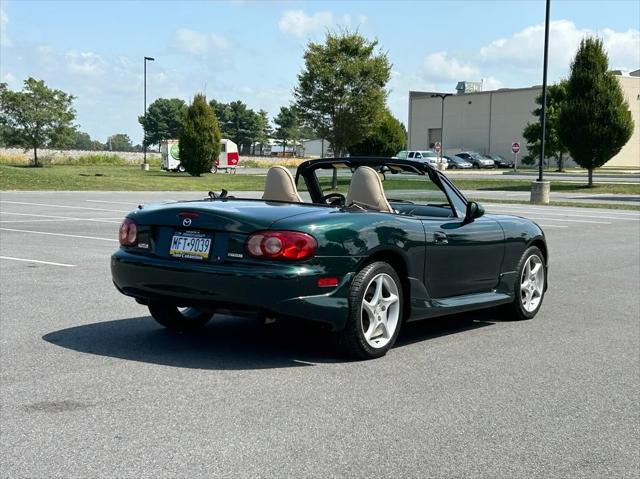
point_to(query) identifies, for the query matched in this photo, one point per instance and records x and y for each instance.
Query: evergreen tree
(595, 121)
(387, 139)
(553, 147)
(199, 137)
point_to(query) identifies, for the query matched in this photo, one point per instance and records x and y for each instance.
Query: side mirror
(474, 210)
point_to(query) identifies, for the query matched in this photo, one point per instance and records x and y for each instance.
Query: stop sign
(515, 147)
(437, 147)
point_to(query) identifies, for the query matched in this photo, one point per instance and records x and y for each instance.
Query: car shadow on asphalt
(232, 343)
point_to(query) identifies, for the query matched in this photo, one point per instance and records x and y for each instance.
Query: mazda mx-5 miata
(361, 263)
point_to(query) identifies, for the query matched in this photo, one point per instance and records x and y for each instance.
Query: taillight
(288, 245)
(128, 235)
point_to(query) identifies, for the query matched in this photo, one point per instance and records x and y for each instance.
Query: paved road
(91, 387)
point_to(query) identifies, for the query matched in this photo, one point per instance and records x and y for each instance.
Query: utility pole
(145, 165)
(442, 96)
(540, 189)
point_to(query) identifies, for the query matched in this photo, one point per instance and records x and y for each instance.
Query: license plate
(190, 245)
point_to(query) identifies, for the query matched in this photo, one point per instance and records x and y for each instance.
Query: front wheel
(530, 286)
(375, 312)
(178, 319)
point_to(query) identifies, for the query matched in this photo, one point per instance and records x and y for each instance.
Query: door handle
(440, 237)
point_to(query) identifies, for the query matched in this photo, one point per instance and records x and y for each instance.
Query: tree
(35, 116)
(287, 126)
(163, 120)
(341, 91)
(119, 142)
(556, 96)
(82, 141)
(387, 139)
(199, 137)
(595, 121)
(262, 130)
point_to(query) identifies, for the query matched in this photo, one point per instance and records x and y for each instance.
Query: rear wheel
(181, 169)
(529, 289)
(375, 312)
(178, 319)
(214, 169)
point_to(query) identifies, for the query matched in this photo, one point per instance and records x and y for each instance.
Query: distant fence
(132, 156)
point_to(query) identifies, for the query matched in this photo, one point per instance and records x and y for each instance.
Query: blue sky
(252, 51)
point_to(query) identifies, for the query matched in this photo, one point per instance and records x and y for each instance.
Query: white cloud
(5, 41)
(85, 63)
(623, 48)
(524, 49)
(198, 43)
(441, 66)
(299, 24)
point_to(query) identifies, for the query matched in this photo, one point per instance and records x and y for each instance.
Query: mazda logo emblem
(186, 222)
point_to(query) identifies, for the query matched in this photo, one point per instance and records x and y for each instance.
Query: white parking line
(549, 213)
(543, 218)
(136, 203)
(61, 206)
(568, 209)
(58, 234)
(38, 261)
(61, 218)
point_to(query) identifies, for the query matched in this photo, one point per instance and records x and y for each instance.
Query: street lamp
(442, 96)
(540, 189)
(145, 165)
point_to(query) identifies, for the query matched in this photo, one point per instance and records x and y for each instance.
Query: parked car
(423, 156)
(455, 162)
(476, 159)
(361, 264)
(501, 162)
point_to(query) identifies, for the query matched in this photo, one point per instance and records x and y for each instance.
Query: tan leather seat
(280, 186)
(366, 190)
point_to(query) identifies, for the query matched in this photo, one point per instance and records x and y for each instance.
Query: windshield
(476, 156)
(428, 154)
(405, 191)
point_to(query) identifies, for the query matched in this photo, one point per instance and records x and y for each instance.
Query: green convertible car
(401, 244)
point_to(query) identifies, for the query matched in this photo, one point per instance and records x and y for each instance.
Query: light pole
(540, 189)
(442, 96)
(145, 165)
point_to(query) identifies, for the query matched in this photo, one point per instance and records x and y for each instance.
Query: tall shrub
(199, 137)
(595, 121)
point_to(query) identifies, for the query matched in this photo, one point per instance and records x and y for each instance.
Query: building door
(435, 134)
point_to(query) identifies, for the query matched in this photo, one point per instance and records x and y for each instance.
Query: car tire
(181, 169)
(176, 319)
(375, 312)
(476, 165)
(521, 308)
(214, 169)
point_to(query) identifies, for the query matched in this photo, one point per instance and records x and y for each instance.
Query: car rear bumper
(288, 290)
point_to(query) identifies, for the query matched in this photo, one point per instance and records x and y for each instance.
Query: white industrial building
(318, 148)
(490, 121)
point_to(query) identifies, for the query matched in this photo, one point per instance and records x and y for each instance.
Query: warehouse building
(490, 121)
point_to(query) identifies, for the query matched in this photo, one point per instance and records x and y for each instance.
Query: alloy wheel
(532, 283)
(380, 312)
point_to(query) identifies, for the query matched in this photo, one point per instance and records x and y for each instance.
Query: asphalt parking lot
(92, 387)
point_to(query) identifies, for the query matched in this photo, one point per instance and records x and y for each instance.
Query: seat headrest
(280, 186)
(366, 190)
